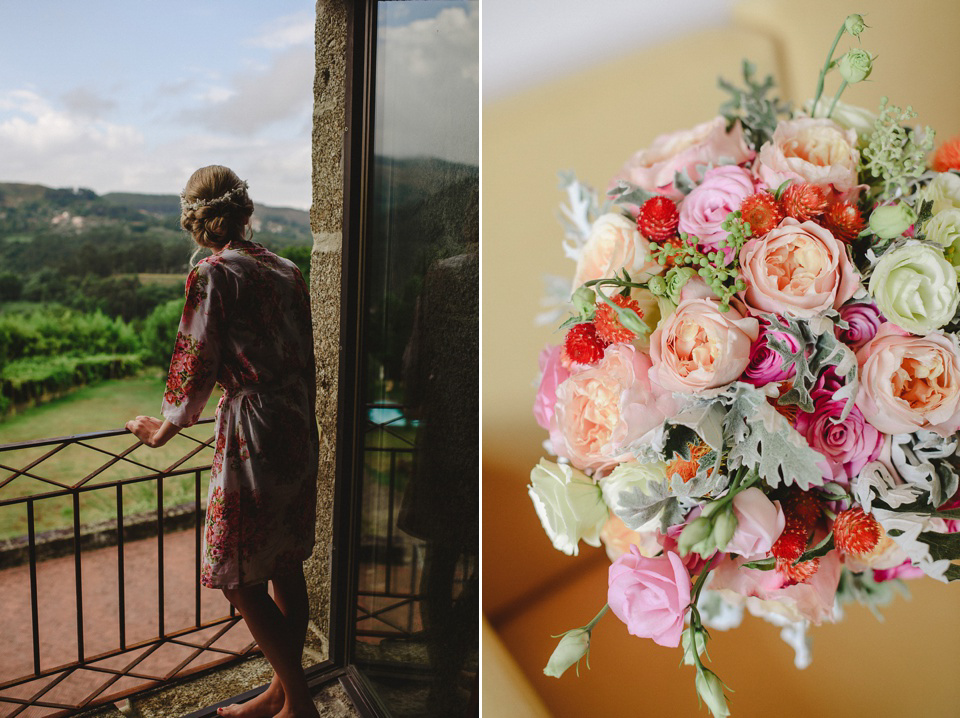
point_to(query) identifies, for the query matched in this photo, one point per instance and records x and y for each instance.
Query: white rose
(569, 504)
(847, 116)
(915, 287)
(944, 229)
(615, 244)
(943, 191)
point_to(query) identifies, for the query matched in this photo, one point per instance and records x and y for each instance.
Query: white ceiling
(528, 42)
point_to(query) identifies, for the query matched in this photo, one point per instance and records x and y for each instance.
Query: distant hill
(33, 207)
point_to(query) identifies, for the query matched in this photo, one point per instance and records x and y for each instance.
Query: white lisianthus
(850, 117)
(628, 476)
(915, 287)
(943, 191)
(569, 504)
(944, 229)
(572, 647)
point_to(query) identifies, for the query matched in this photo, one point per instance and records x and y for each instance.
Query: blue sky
(117, 95)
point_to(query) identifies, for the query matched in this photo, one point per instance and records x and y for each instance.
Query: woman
(246, 325)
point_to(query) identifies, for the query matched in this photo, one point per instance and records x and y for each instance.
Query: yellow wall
(591, 122)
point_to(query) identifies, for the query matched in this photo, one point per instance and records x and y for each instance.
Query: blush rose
(703, 210)
(614, 244)
(797, 267)
(709, 143)
(817, 151)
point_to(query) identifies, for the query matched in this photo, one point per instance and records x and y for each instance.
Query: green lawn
(103, 406)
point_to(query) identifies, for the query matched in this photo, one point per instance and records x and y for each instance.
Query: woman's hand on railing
(152, 432)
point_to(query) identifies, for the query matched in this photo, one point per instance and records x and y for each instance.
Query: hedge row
(30, 379)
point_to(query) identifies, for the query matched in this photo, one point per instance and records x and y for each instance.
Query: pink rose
(766, 592)
(909, 383)
(653, 169)
(552, 374)
(864, 319)
(699, 347)
(614, 244)
(817, 151)
(650, 595)
(905, 570)
(848, 445)
(799, 268)
(760, 522)
(766, 365)
(602, 411)
(707, 206)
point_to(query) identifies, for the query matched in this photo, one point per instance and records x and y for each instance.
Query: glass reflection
(418, 601)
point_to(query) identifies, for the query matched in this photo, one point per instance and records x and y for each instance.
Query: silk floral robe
(246, 325)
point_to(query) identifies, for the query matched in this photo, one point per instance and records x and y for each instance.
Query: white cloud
(87, 103)
(286, 31)
(428, 72)
(56, 148)
(258, 99)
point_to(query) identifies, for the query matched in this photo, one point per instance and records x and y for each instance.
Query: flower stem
(826, 68)
(843, 86)
(596, 619)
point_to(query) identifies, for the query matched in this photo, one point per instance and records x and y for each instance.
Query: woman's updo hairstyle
(215, 206)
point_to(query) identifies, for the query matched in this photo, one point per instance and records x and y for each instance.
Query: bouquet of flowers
(756, 402)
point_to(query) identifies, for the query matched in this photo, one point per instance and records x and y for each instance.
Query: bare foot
(308, 710)
(265, 705)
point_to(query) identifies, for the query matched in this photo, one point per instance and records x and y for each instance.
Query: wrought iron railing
(388, 604)
(45, 488)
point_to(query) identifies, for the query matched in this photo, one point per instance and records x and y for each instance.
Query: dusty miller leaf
(817, 352)
(578, 216)
(626, 193)
(637, 507)
(759, 437)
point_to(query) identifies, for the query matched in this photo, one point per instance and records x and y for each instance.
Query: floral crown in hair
(185, 205)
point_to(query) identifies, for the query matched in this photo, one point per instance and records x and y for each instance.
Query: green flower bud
(676, 279)
(689, 658)
(710, 689)
(631, 320)
(892, 220)
(854, 24)
(855, 66)
(724, 527)
(585, 302)
(694, 535)
(573, 646)
(657, 286)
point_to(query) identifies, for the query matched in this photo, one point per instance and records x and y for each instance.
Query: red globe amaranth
(803, 201)
(761, 212)
(608, 325)
(844, 220)
(658, 219)
(855, 532)
(582, 345)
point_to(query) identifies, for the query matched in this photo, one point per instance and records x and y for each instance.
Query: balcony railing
(95, 511)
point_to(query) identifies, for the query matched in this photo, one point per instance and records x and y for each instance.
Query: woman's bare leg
(279, 629)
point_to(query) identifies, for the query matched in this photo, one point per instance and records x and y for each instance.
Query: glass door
(416, 631)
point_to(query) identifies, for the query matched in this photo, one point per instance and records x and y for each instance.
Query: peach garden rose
(601, 411)
(799, 268)
(909, 383)
(699, 347)
(817, 151)
(614, 244)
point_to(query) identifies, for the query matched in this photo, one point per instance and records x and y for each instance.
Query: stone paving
(57, 599)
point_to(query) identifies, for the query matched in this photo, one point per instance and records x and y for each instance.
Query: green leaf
(941, 546)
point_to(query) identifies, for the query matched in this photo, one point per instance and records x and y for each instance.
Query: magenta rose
(703, 210)
(654, 169)
(864, 319)
(766, 365)
(552, 374)
(846, 445)
(650, 595)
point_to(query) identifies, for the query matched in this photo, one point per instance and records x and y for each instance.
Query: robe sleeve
(196, 355)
